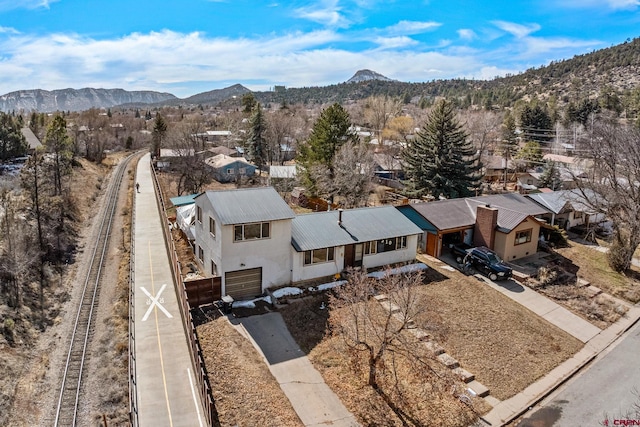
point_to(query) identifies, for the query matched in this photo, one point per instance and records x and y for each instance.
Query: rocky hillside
(213, 97)
(77, 99)
(367, 75)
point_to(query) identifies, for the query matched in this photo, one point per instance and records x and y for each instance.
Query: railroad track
(72, 379)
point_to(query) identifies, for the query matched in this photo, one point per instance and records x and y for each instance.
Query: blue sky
(191, 46)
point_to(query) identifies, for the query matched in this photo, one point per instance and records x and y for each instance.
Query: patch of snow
(288, 291)
(411, 268)
(329, 285)
(244, 304)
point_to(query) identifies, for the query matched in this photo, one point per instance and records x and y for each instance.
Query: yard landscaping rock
(448, 361)
(478, 388)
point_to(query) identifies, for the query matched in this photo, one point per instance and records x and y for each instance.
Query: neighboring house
(32, 140)
(567, 209)
(252, 240)
(244, 236)
(495, 167)
(227, 151)
(326, 243)
(228, 169)
(388, 166)
(505, 223)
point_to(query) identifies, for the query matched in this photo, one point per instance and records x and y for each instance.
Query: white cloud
(8, 30)
(599, 4)
(25, 4)
(517, 30)
(395, 42)
(412, 27)
(328, 13)
(466, 34)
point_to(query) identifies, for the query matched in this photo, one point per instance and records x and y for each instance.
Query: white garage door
(243, 283)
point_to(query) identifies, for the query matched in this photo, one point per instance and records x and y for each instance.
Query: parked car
(488, 262)
(459, 251)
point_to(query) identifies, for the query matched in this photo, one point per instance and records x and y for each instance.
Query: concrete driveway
(314, 402)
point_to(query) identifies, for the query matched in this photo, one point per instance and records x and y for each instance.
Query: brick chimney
(484, 231)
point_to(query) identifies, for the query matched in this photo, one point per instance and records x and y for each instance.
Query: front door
(353, 255)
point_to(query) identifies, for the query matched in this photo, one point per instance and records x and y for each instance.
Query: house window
(200, 253)
(385, 245)
(523, 236)
(317, 256)
(577, 215)
(199, 214)
(231, 171)
(242, 171)
(214, 268)
(370, 247)
(212, 226)
(258, 230)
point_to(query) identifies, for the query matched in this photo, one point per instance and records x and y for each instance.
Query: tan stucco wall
(505, 243)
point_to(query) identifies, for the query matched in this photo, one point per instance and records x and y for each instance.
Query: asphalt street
(603, 395)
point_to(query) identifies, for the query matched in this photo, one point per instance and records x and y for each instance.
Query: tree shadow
(307, 319)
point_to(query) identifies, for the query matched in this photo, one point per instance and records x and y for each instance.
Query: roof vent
(339, 216)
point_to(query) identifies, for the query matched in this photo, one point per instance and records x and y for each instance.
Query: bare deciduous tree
(379, 110)
(350, 182)
(375, 335)
(613, 186)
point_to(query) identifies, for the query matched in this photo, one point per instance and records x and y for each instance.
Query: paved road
(604, 391)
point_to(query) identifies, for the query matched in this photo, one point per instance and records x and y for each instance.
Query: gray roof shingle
(248, 205)
(512, 208)
(321, 229)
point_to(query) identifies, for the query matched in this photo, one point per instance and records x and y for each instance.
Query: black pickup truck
(459, 251)
(482, 259)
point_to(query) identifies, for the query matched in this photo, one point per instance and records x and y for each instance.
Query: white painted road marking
(195, 399)
(155, 302)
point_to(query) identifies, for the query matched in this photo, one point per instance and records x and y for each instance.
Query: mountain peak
(366, 75)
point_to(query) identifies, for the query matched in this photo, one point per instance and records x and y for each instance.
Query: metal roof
(321, 229)
(183, 200)
(283, 171)
(556, 201)
(248, 205)
(31, 138)
(222, 160)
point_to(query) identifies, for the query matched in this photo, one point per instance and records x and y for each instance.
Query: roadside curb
(495, 418)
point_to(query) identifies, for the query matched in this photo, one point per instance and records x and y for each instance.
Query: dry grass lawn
(504, 344)
(592, 265)
(424, 391)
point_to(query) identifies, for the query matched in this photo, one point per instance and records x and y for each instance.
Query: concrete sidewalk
(312, 399)
(508, 410)
(544, 307)
(165, 383)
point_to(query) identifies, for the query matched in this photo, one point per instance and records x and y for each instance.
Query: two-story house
(244, 236)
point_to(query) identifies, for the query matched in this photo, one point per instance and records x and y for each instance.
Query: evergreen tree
(12, 142)
(59, 143)
(441, 161)
(158, 134)
(531, 152)
(536, 123)
(257, 144)
(329, 133)
(550, 177)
